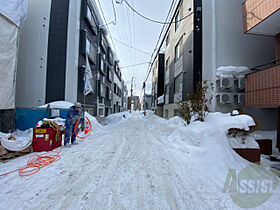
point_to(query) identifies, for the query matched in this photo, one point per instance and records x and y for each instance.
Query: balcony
(262, 87)
(261, 17)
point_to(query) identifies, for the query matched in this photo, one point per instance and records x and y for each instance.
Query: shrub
(196, 108)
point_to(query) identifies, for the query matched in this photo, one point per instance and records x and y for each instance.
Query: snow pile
(226, 121)
(207, 142)
(95, 124)
(117, 118)
(177, 121)
(231, 71)
(243, 142)
(160, 99)
(23, 139)
(235, 112)
(57, 120)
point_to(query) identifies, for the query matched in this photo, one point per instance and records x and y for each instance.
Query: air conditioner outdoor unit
(225, 98)
(240, 98)
(225, 83)
(240, 83)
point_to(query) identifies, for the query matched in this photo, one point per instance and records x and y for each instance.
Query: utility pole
(144, 101)
(131, 99)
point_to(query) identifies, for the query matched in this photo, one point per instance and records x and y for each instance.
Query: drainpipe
(214, 53)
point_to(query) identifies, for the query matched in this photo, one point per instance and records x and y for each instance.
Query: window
(104, 56)
(179, 83)
(179, 49)
(101, 64)
(88, 46)
(167, 39)
(90, 50)
(177, 19)
(101, 111)
(167, 65)
(90, 16)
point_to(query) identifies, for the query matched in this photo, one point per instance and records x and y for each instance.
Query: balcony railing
(256, 11)
(263, 85)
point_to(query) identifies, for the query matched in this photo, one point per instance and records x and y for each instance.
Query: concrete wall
(32, 58)
(170, 110)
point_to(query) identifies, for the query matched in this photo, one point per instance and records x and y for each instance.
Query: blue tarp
(28, 118)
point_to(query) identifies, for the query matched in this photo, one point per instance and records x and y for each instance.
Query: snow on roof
(58, 105)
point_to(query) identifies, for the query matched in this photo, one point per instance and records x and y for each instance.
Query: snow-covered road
(127, 165)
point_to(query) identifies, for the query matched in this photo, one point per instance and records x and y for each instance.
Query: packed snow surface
(136, 162)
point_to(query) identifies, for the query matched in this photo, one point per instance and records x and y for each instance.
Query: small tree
(197, 105)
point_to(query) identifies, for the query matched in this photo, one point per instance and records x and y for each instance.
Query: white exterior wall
(71, 86)
(8, 62)
(225, 44)
(32, 59)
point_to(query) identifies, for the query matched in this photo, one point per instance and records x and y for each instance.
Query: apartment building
(117, 101)
(262, 85)
(133, 103)
(56, 39)
(124, 97)
(146, 103)
(203, 38)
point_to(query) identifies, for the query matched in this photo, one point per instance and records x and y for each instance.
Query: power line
(131, 47)
(152, 20)
(138, 64)
(162, 30)
(112, 22)
(106, 24)
(115, 13)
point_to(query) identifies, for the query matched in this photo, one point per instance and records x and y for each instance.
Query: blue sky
(137, 32)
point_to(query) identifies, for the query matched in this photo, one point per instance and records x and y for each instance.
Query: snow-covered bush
(196, 108)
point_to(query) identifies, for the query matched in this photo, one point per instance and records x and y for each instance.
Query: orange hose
(37, 162)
